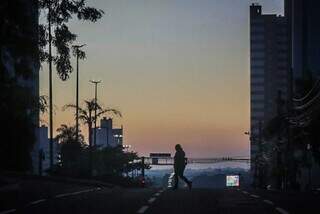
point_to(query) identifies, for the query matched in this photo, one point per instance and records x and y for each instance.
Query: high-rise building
(269, 63)
(303, 17)
(106, 135)
(304, 33)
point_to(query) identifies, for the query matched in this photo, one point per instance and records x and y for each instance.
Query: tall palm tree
(67, 134)
(86, 114)
(54, 32)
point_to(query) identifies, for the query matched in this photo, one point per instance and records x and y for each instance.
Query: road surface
(80, 200)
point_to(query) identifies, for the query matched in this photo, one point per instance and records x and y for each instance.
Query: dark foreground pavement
(74, 199)
(208, 201)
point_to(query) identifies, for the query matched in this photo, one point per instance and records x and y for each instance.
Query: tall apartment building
(303, 17)
(269, 68)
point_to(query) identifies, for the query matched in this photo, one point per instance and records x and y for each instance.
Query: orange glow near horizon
(179, 73)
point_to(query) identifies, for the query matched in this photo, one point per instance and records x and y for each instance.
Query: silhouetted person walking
(180, 163)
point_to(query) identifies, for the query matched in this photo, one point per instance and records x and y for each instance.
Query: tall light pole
(50, 90)
(95, 109)
(77, 47)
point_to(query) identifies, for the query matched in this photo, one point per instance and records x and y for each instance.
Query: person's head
(178, 147)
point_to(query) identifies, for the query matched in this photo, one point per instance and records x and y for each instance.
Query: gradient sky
(177, 69)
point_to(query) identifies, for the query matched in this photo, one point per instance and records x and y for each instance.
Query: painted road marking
(57, 196)
(282, 211)
(151, 200)
(255, 196)
(244, 192)
(268, 202)
(157, 194)
(62, 195)
(8, 211)
(37, 202)
(143, 209)
(74, 193)
(83, 191)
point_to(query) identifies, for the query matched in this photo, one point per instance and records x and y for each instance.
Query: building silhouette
(269, 66)
(106, 135)
(304, 32)
(303, 23)
(41, 153)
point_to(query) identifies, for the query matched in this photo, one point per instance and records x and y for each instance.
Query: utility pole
(95, 109)
(77, 47)
(50, 90)
(287, 153)
(259, 167)
(279, 177)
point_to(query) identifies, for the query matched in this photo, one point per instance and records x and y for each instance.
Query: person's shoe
(190, 185)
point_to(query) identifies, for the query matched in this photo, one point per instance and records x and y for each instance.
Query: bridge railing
(170, 160)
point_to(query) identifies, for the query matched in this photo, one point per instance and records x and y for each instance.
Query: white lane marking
(151, 200)
(268, 202)
(244, 192)
(157, 194)
(62, 195)
(8, 211)
(282, 211)
(142, 209)
(74, 193)
(37, 202)
(57, 196)
(83, 191)
(255, 196)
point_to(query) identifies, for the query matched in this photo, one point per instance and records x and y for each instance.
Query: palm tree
(55, 33)
(67, 134)
(71, 149)
(86, 114)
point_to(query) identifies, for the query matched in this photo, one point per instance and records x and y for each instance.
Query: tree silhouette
(67, 134)
(86, 114)
(18, 70)
(71, 150)
(57, 14)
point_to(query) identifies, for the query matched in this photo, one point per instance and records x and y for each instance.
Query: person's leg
(176, 180)
(184, 179)
(189, 183)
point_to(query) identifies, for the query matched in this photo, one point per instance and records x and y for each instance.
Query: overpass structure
(165, 159)
(154, 160)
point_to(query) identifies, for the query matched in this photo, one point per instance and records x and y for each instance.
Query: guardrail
(170, 160)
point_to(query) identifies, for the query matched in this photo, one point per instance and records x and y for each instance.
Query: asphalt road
(74, 200)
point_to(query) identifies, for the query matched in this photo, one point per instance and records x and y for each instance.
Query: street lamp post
(260, 157)
(77, 47)
(253, 161)
(95, 109)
